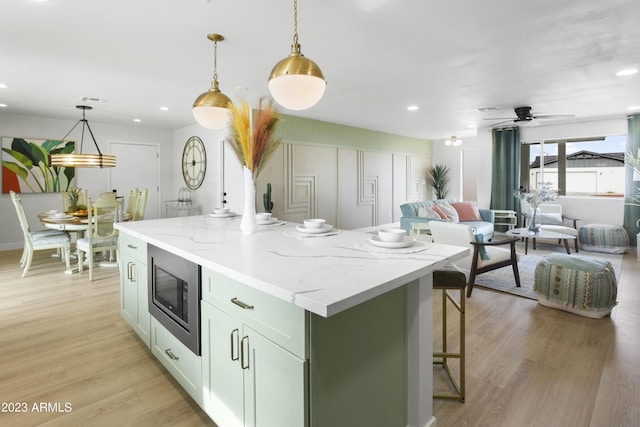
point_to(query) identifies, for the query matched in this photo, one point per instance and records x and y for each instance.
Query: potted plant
(438, 179)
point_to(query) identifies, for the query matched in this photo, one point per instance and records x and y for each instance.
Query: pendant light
(211, 109)
(83, 160)
(453, 141)
(296, 82)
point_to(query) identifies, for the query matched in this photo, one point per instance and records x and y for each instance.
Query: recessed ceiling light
(137, 120)
(164, 108)
(412, 108)
(634, 107)
(487, 109)
(3, 86)
(3, 105)
(627, 72)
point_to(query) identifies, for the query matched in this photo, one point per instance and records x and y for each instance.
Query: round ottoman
(576, 284)
(607, 238)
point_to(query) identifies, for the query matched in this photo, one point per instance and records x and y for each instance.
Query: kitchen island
(346, 338)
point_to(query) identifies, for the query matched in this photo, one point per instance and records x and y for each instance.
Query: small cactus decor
(266, 199)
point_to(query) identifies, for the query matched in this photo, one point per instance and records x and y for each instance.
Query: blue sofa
(410, 215)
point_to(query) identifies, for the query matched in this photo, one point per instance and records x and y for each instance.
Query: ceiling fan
(523, 114)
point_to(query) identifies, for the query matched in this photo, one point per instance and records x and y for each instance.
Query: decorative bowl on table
(314, 223)
(263, 216)
(219, 211)
(392, 234)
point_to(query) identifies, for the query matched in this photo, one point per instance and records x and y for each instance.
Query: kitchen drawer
(184, 365)
(281, 322)
(133, 247)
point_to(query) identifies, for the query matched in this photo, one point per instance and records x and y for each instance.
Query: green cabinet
(247, 379)
(134, 300)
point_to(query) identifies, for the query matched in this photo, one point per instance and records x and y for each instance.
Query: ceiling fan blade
(500, 118)
(553, 116)
(501, 123)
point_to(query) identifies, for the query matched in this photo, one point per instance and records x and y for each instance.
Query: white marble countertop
(324, 275)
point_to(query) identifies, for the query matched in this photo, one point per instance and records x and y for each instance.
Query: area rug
(502, 278)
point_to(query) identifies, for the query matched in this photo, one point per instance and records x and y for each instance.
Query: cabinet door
(143, 319)
(223, 390)
(134, 306)
(275, 383)
(128, 291)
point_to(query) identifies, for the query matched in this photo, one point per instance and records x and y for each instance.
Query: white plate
(224, 215)
(327, 227)
(61, 217)
(405, 243)
(271, 220)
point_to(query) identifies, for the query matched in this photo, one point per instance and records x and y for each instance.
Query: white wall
(209, 195)
(94, 180)
(590, 210)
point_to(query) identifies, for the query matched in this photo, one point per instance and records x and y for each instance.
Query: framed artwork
(25, 166)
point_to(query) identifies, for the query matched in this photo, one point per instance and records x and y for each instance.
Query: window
(582, 167)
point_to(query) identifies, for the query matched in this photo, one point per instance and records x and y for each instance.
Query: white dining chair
(39, 240)
(141, 205)
(101, 236)
(131, 202)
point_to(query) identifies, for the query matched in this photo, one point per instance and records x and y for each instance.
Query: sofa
(411, 214)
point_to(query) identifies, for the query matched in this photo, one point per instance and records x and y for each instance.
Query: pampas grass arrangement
(252, 138)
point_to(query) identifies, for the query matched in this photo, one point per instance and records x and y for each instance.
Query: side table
(175, 207)
(505, 217)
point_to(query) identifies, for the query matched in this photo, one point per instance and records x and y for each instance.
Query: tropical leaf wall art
(25, 166)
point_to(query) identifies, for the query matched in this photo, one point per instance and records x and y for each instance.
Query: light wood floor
(62, 341)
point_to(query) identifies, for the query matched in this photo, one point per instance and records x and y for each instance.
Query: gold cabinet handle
(234, 355)
(241, 304)
(244, 355)
(171, 355)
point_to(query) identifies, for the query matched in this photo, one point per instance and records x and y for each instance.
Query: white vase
(248, 223)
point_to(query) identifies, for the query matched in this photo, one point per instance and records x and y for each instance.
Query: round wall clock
(194, 162)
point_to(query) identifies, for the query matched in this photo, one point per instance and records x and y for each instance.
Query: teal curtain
(632, 188)
(505, 170)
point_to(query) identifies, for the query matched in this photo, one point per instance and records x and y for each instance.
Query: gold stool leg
(460, 305)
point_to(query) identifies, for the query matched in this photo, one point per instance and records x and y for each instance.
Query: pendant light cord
(295, 22)
(215, 63)
(84, 122)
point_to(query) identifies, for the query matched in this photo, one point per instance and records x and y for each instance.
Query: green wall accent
(294, 130)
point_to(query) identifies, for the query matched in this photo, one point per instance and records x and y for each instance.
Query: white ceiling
(449, 57)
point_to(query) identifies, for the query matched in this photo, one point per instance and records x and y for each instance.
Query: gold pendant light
(83, 160)
(454, 141)
(296, 82)
(211, 109)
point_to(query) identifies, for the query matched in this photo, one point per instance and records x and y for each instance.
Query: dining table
(77, 222)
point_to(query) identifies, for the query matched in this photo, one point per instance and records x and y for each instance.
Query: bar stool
(447, 280)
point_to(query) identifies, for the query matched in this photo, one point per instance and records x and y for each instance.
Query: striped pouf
(579, 285)
(607, 238)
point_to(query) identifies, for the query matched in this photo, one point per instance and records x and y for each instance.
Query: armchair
(485, 256)
(552, 219)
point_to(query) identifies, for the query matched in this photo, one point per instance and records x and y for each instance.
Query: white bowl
(392, 234)
(314, 223)
(263, 216)
(221, 210)
(60, 215)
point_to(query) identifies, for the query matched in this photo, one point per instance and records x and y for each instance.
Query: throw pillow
(467, 211)
(427, 212)
(481, 249)
(550, 218)
(440, 212)
(450, 212)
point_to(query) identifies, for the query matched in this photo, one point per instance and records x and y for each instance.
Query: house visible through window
(583, 167)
